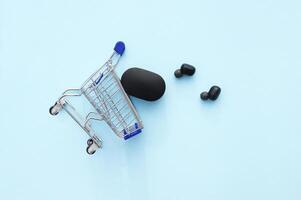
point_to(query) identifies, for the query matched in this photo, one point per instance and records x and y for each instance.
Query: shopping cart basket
(112, 105)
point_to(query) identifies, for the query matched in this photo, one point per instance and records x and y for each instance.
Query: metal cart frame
(112, 105)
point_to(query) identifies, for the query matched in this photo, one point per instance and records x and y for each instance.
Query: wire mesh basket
(111, 104)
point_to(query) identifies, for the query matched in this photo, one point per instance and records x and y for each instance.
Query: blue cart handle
(119, 48)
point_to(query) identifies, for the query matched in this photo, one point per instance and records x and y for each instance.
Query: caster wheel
(53, 110)
(89, 142)
(89, 152)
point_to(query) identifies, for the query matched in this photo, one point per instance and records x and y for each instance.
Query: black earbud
(213, 93)
(185, 69)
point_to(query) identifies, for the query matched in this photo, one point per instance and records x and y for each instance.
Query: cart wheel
(52, 110)
(90, 142)
(90, 152)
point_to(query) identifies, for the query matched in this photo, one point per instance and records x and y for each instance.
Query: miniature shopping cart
(112, 105)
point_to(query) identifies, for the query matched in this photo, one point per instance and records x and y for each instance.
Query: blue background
(246, 145)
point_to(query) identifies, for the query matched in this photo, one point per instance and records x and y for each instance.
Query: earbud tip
(204, 96)
(178, 73)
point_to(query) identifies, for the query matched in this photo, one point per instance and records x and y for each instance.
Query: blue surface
(246, 145)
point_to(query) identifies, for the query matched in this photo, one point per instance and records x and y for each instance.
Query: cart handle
(119, 48)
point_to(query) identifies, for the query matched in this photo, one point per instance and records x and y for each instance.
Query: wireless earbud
(213, 93)
(185, 69)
